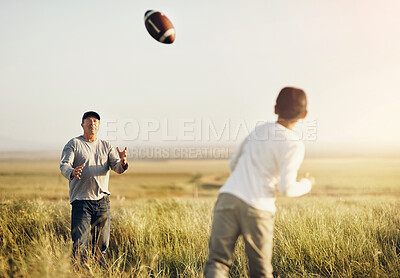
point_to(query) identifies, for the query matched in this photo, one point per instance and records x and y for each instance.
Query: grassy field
(348, 226)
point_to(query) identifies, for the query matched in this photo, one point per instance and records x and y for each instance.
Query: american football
(159, 26)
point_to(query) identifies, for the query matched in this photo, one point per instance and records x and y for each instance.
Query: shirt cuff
(307, 185)
(298, 188)
(68, 173)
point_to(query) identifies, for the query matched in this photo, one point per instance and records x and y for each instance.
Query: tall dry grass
(314, 237)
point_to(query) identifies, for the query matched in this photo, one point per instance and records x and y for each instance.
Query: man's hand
(310, 178)
(77, 172)
(123, 155)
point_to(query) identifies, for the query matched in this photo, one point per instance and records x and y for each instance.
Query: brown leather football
(159, 26)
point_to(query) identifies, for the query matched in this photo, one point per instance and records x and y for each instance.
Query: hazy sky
(59, 59)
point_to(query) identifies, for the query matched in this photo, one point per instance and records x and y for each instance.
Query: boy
(269, 158)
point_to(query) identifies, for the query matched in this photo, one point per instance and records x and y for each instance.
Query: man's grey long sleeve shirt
(99, 157)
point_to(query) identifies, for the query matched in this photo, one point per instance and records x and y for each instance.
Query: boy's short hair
(291, 103)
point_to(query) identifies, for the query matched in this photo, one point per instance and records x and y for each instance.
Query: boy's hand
(310, 178)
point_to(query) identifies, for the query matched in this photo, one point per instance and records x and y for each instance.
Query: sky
(214, 84)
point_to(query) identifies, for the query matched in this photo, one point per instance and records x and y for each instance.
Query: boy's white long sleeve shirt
(268, 159)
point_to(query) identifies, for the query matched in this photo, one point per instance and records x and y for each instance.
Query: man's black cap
(90, 114)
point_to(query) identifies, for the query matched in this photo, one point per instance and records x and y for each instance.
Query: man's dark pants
(90, 219)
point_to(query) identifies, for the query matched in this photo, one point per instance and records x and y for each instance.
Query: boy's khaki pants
(233, 217)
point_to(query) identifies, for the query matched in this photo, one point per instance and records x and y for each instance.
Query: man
(86, 162)
(267, 160)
